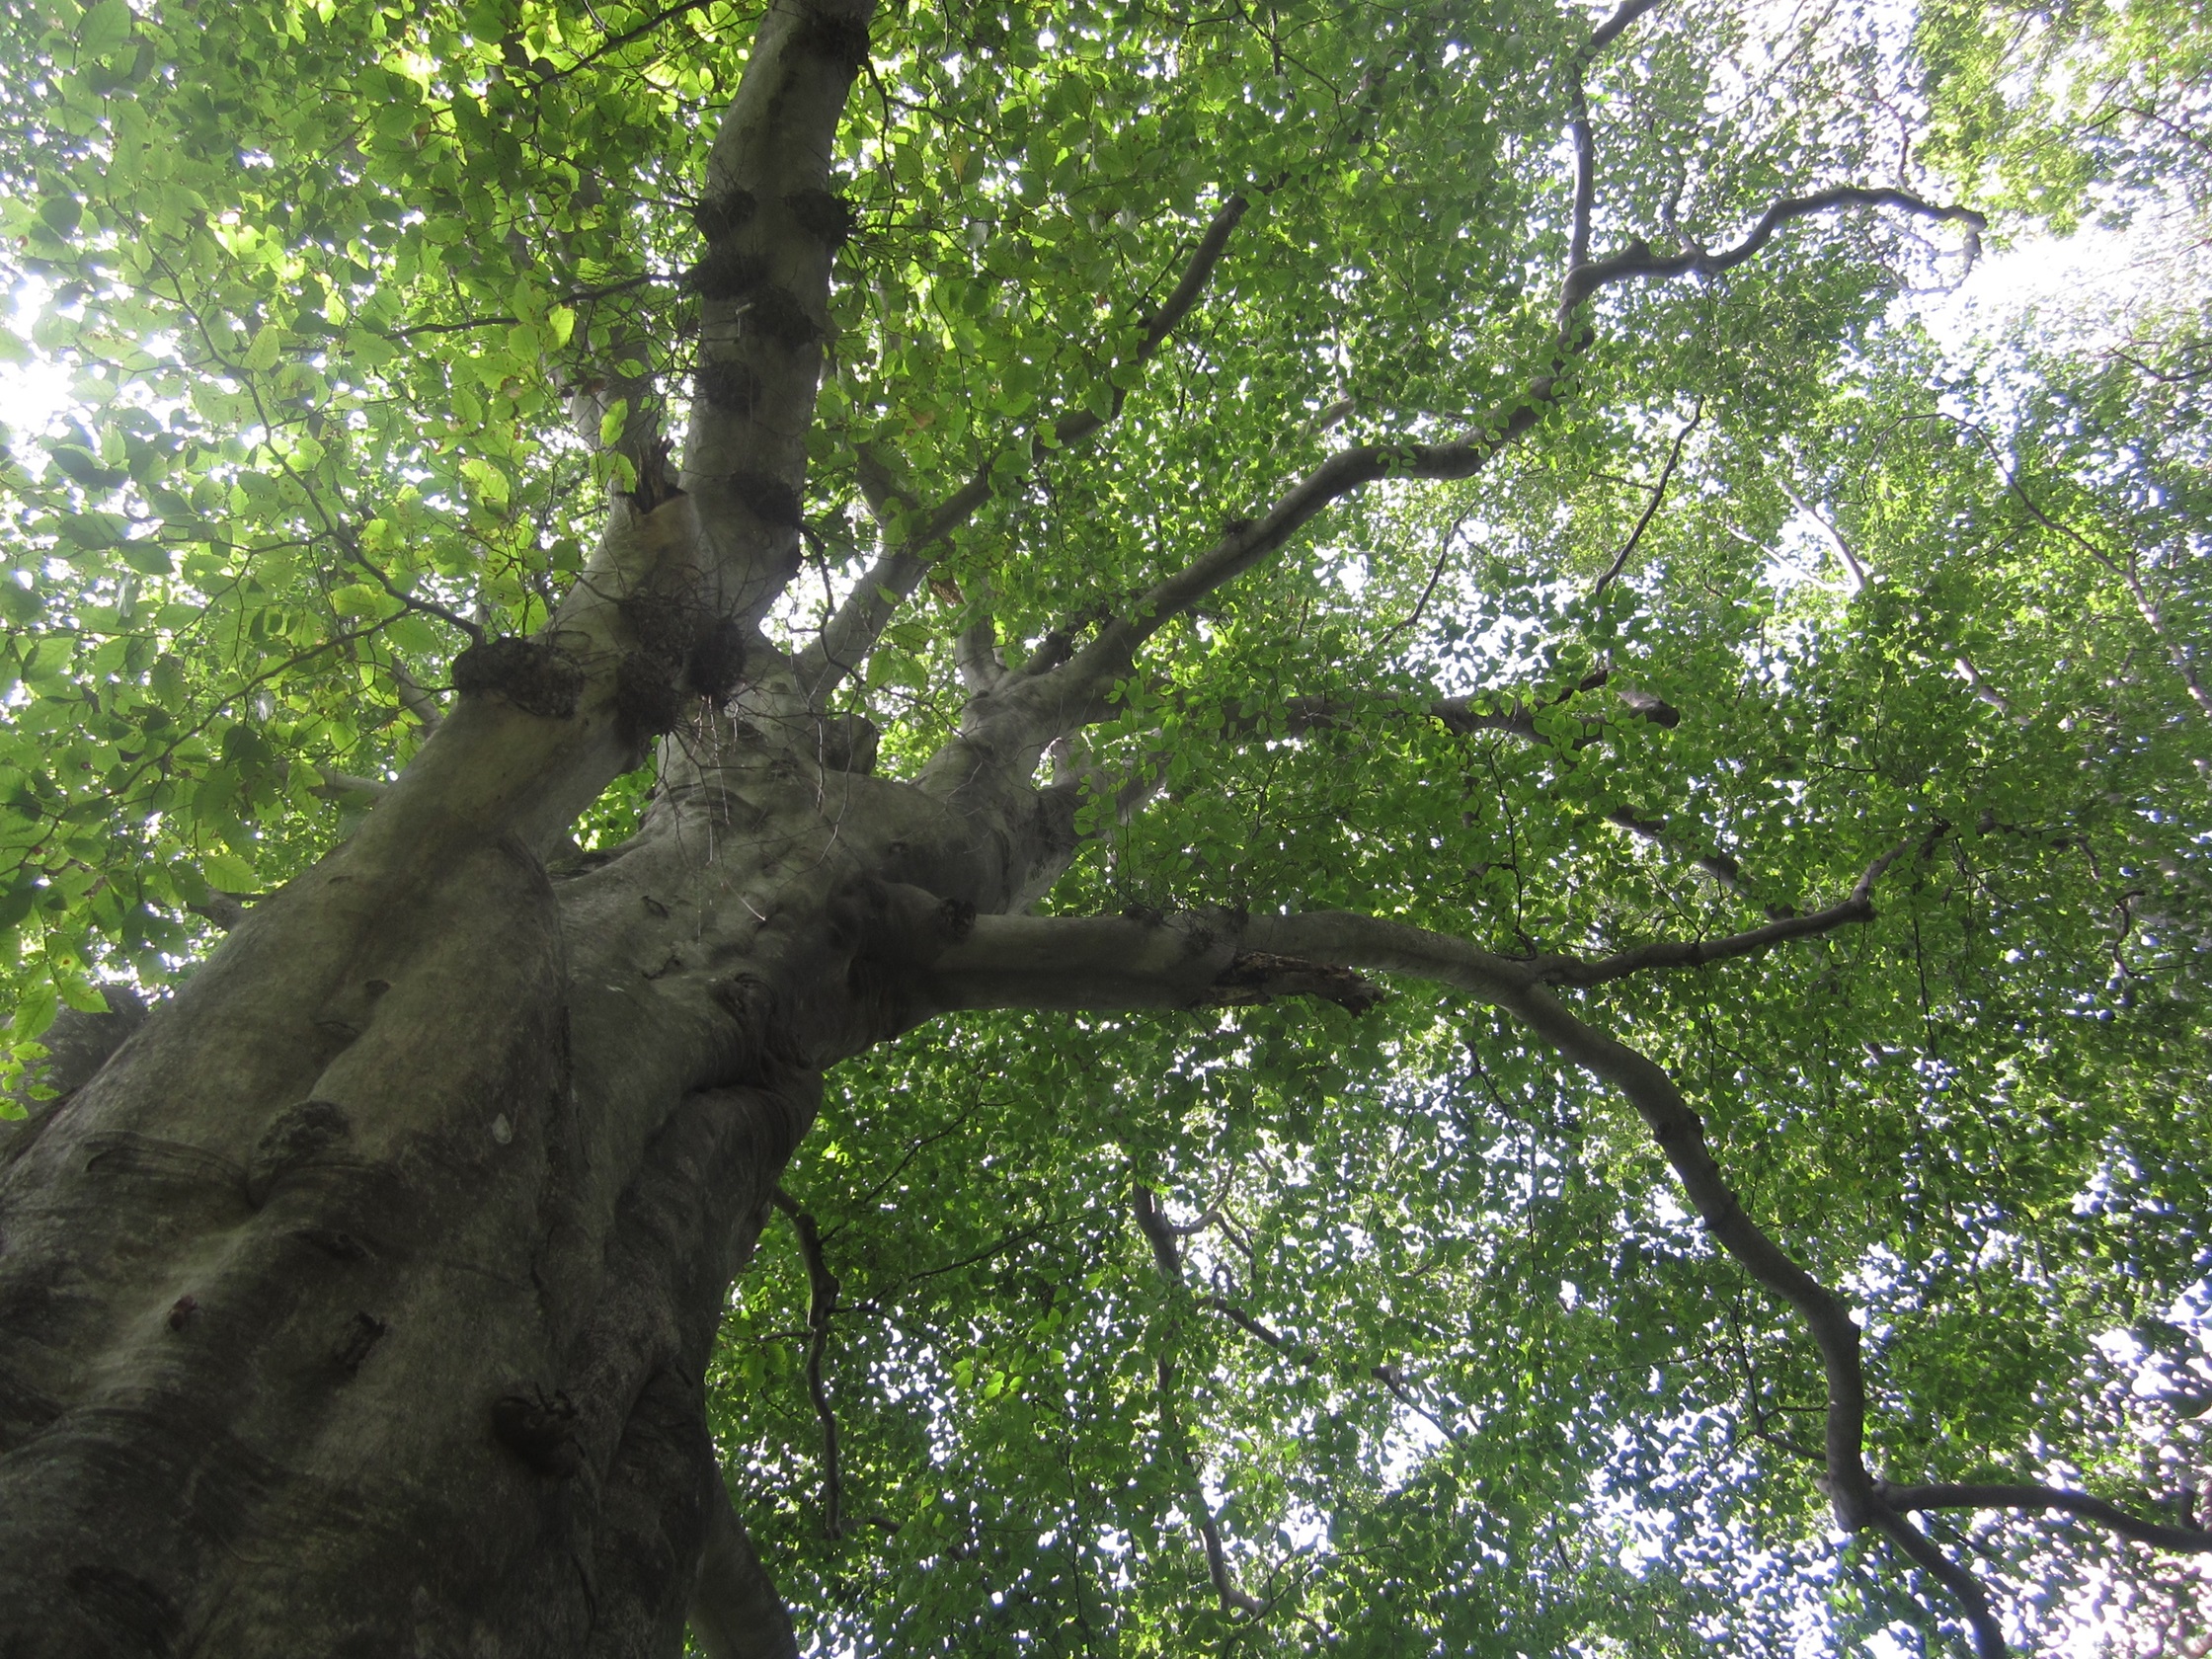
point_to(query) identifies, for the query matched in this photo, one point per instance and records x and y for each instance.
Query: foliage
(1451, 1368)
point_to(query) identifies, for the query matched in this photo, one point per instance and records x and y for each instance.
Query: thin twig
(1651, 507)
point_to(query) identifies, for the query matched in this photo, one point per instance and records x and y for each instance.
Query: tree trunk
(361, 1303)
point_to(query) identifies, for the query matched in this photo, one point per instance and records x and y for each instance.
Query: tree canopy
(1811, 703)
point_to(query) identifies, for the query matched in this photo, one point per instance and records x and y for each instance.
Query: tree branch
(975, 650)
(822, 1303)
(1347, 942)
(1637, 260)
(1125, 963)
(851, 632)
(1965, 1589)
(1696, 953)
(1158, 1231)
(1168, 1255)
(1579, 131)
(2192, 1541)
(1078, 691)
(1829, 533)
(1651, 507)
(413, 698)
(736, 1611)
(1466, 716)
(1217, 1560)
(1722, 868)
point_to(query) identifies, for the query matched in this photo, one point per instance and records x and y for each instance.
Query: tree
(1438, 1039)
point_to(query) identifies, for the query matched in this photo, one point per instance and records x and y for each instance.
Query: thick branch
(540, 729)
(1680, 1132)
(1125, 963)
(851, 632)
(1369, 942)
(736, 1612)
(1989, 1637)
(975, 649)
(1080, 691)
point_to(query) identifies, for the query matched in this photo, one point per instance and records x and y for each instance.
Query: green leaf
(229, 872)
(105, 26)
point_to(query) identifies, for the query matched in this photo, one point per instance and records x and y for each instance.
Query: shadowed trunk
(361, 1304)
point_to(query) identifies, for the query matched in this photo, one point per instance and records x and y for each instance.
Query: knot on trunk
(684, 647)
(534, 674)
(727, 273)
(821, 214)
(301, 1134)
(362, 1333)
(730, 387)
(848, 743)
(768, 498)
(662, 624)
(716, 665)
(718, 215)
(647, 698)
(541, 1429)
(839, 37)
(778, 315)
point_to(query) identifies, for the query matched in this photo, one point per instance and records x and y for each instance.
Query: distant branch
(1696, 953)
(822, 1303)
(853, 629)
(1637, 260)
(1830, 535)
(1652, 506)
(1464, 716)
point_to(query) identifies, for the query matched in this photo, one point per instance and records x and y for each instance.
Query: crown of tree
(1101, 830)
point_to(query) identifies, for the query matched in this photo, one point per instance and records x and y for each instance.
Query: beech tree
(1399, 886)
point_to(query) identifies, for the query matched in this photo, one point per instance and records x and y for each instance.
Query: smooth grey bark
(361, 1304)
(736, 1613)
